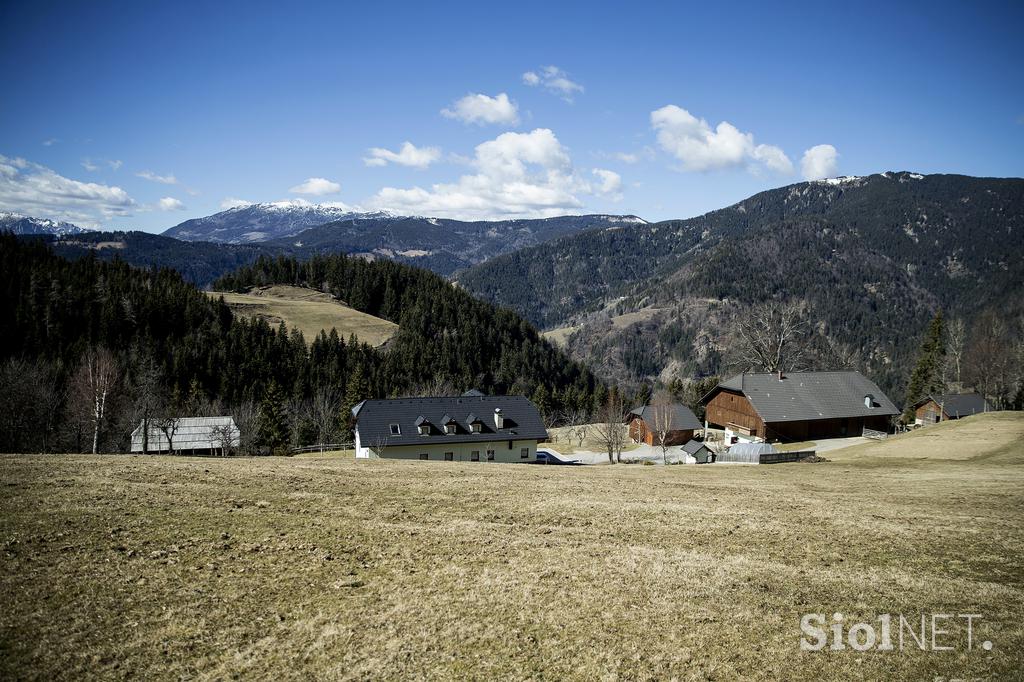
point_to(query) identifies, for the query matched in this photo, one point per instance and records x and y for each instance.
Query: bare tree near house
(324, 408)
(988, 360)
(610, 428)
(246, 416)
(438, 387)
(578, 421)
(772, 337)
(167, 424)
(661, 421)
(223, 437)
(94, 384)
(956, 339)
(147, 397)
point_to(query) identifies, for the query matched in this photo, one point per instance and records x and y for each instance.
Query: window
(475, 427)
(474, 456)
(490, 455)
(524, 453)
(424, 455)
(449, 456)
(510, 445)
(449, 428)
(424, 430)
(396, 430)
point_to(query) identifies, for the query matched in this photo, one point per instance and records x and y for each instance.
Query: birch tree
(94, 385)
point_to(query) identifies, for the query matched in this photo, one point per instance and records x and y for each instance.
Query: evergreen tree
(273, 422)
(927, 377)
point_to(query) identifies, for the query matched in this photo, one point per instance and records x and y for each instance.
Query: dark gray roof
(958, 404)
(374, 419)
(802, 396)
(695, 446)
(683, 418)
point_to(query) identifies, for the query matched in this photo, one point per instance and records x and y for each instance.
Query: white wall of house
(460, 452)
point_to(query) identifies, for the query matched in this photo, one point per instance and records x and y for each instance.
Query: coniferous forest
(90, 347)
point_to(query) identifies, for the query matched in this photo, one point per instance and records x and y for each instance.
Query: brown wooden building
(949, 406)
(644, 423)
(797, 406)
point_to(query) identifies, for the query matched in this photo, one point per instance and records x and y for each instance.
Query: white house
(467, 428)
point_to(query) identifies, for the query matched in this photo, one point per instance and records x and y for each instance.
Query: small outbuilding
(700, 453)
(187, 436)
(943, 407)
(645, 423)
(746, 453)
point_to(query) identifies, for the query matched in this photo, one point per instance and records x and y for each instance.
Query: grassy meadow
(327, 567)
(310, 312)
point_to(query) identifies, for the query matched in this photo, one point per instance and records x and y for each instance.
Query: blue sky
(136, 116)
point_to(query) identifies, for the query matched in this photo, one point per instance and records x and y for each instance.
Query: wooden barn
(188, 436)
(797, 406)
(644, 424)
(936, 408)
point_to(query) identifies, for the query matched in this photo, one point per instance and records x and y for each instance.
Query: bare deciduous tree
(168, 425)
(956, 339)
(661, 413)
(989, 360)
(610, 427)
(323, 412)
(93, 385)
(772, 337)
(223, 438)
(246, 416)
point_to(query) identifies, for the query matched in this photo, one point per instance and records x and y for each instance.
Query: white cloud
(409, 155)
(36, 190)
(89, 165)
(50, 142)
(162, 179)
(316, 187)
(115, 164)
(701, 148)
(611, 183)
(772, 157)
(516, 175)
(170, 204)
(626, 157)
(232, 202)
(820, 161)
(554, 80)
(483, 110)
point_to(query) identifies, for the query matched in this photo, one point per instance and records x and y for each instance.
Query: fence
(323, 447)
(877, 435)
(784, 457)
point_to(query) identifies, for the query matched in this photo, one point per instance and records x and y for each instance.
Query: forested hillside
(870, 260)
(156, 345)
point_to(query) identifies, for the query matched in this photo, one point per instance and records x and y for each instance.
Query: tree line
(89, 349)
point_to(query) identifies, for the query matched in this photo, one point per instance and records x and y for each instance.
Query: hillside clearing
(158, 567)
(310, 311)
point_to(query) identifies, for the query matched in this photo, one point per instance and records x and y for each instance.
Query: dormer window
(449, 424)
(396, 430)
(449, 428)
(422, 426)
(476, 427)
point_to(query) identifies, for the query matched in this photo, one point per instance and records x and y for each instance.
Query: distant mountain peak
(17, 223)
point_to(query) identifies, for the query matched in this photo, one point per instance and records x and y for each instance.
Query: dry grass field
(310, 311)
(157, 568)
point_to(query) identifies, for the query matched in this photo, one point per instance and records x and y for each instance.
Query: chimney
(869, 400)
(499, 419)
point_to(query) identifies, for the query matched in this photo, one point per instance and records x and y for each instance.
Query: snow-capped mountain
(23, 224)
(263, 222)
